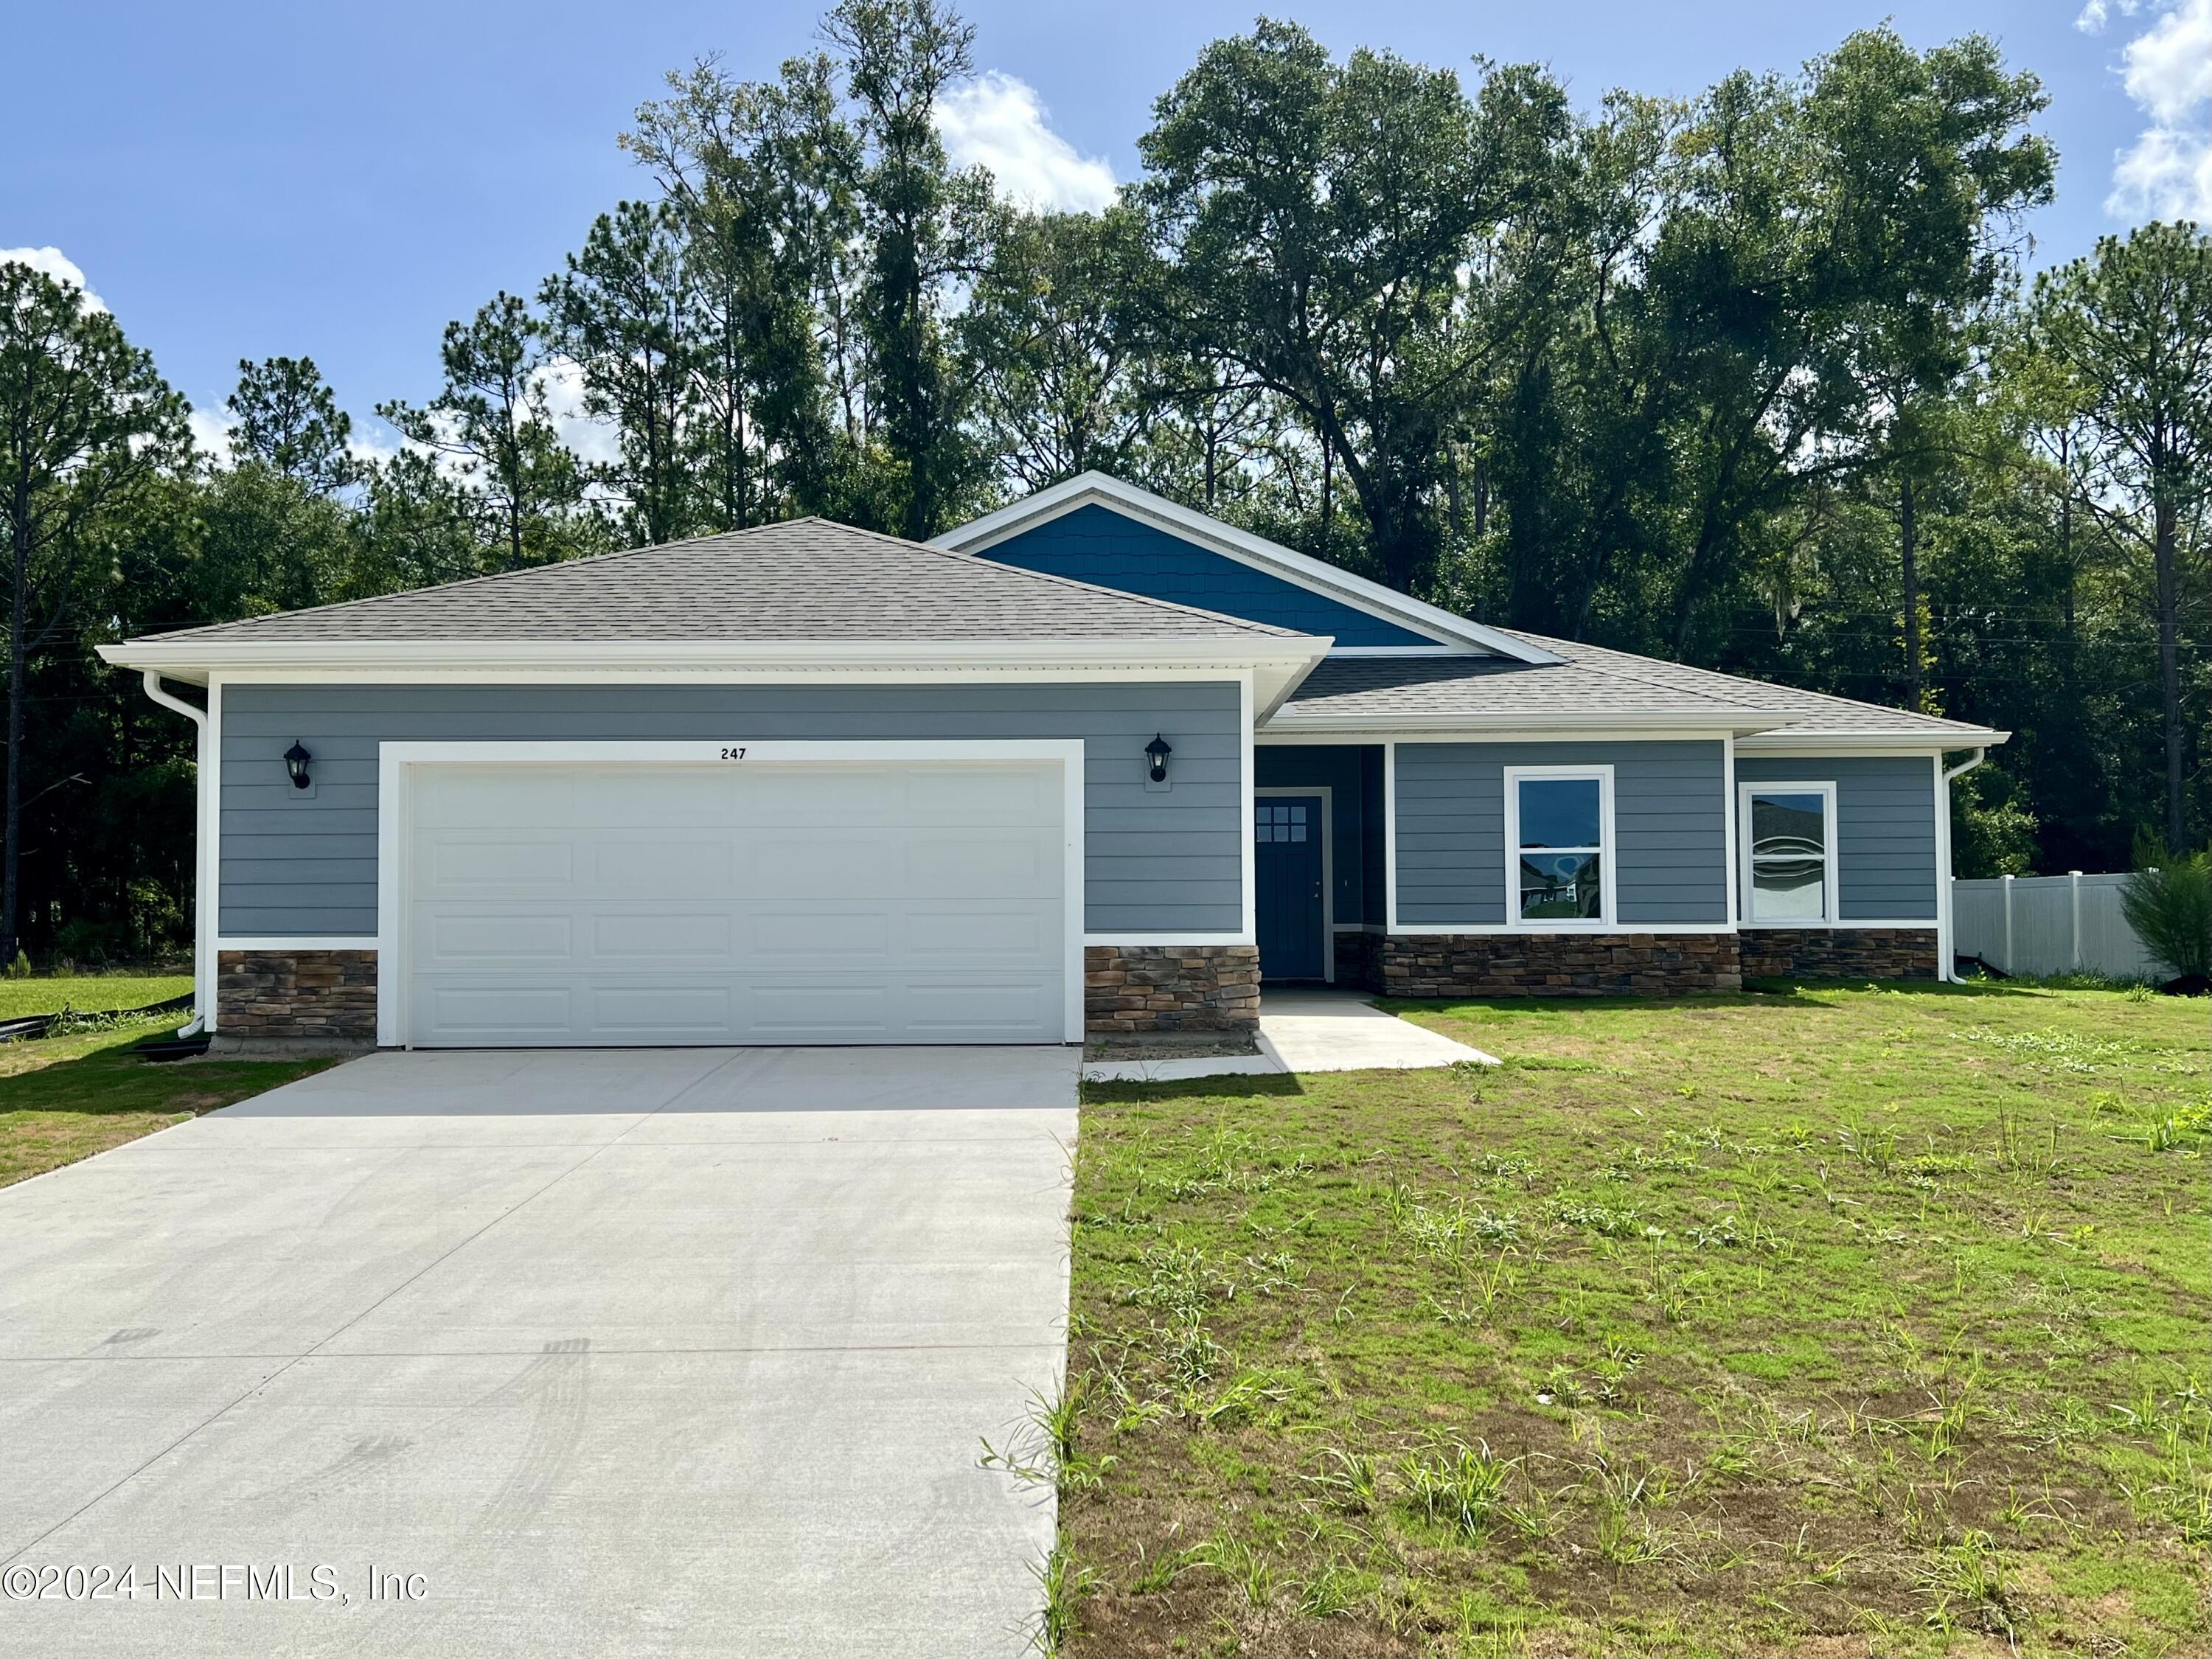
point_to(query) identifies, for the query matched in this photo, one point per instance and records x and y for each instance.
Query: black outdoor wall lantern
(296, 763)
(1155, 759)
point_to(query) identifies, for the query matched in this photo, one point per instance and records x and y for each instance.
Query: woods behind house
(1756, 380)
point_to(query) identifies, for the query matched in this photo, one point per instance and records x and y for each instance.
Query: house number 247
(737, 753)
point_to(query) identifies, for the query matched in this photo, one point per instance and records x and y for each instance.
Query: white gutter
(1947, 964)
(203, 884)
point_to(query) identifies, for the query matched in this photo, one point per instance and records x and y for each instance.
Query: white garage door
(635, 904)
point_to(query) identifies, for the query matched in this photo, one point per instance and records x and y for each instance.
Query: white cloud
(592, 441)
(997, 121)
(57, 265)
(211, 429)
(2167, 174)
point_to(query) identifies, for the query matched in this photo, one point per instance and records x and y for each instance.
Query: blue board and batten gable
(1106, 549)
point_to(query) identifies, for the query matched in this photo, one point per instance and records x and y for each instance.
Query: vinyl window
(1560, 854)
(1788, 832)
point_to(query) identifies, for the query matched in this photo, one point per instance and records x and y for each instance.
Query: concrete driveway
(682, 1351)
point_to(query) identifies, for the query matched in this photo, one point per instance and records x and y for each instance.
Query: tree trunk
(1909, 549)
(2164, 516)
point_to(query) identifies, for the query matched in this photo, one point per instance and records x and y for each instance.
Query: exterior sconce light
(296, 763)
(1155, 759)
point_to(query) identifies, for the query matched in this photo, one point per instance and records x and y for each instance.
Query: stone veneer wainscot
(322, 994)
(1556, 964)
(1840, 953)
(1171, 987)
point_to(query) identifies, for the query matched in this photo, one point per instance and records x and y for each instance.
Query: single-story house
(1095, 762)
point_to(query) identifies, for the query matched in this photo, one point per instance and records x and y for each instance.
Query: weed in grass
(1240, 1563)
(1064, 1585)
(1454, 1484)
(1965, 1583)
(1607, 1220)
(1046, 1450)
(1335, 1590)
(1354, 1481)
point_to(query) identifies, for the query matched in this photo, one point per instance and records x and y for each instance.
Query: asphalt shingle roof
(1587, 680)
(809, 579)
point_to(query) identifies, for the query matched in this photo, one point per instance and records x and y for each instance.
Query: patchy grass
(88, 993)
(1842, 1321)
(67, 1098)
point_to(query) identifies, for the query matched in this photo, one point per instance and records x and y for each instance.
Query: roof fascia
(1102, 488)
(1784, 744)
(1644, 725)
(1288, 658)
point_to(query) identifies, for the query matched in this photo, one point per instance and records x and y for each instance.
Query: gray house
(1095, 762)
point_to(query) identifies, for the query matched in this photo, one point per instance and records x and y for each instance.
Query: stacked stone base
(323, 995)
(1359, 959)
(1556, 964)
(1171, 987)
(1841, 952)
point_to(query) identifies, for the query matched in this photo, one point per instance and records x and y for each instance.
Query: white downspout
(203, 886)
(1946, 965)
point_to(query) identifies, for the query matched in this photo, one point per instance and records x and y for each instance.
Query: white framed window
(1788, 834)
(1559, 847)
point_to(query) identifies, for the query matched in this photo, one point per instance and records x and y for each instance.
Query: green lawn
(1834, 1321)
(88, 993)
(64, 1098)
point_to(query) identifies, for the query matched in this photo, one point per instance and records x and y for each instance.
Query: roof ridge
(1579, 645)
(715, 538)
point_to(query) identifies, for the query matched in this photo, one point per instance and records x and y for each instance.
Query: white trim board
(1328, 928)
(394, 758)
(1613, 930)
(299, 942)
(1186, 524)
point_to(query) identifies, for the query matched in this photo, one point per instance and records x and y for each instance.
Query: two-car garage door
(900, 901)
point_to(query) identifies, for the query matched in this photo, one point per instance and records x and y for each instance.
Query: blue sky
(249, 178)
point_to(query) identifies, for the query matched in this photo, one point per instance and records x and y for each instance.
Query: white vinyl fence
(2069, 924)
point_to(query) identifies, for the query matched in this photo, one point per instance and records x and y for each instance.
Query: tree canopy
(1752, 379)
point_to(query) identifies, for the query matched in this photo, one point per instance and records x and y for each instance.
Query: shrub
(2170, 908)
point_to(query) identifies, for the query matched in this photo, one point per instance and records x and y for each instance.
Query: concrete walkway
(1309, 1030)
(673, 1352)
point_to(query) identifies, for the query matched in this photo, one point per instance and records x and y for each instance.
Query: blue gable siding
(1097, 545)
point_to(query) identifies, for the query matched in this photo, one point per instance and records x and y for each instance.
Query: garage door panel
(646, 1010)
(1003, 936)
(630, 864)
(654, 936)
(799, 936)
(826, 904)
(490, 1009)
(844, 1010)
(459, 866)
(462, 797)
(654, 798)
(980, 1010)
(963, 796)
(778, 796)
(451, 938)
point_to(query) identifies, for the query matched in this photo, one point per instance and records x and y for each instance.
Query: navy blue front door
(1286, 844)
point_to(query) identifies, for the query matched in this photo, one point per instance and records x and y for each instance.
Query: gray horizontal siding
(1670, 832)
(1156, 860)
(1884, 829)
